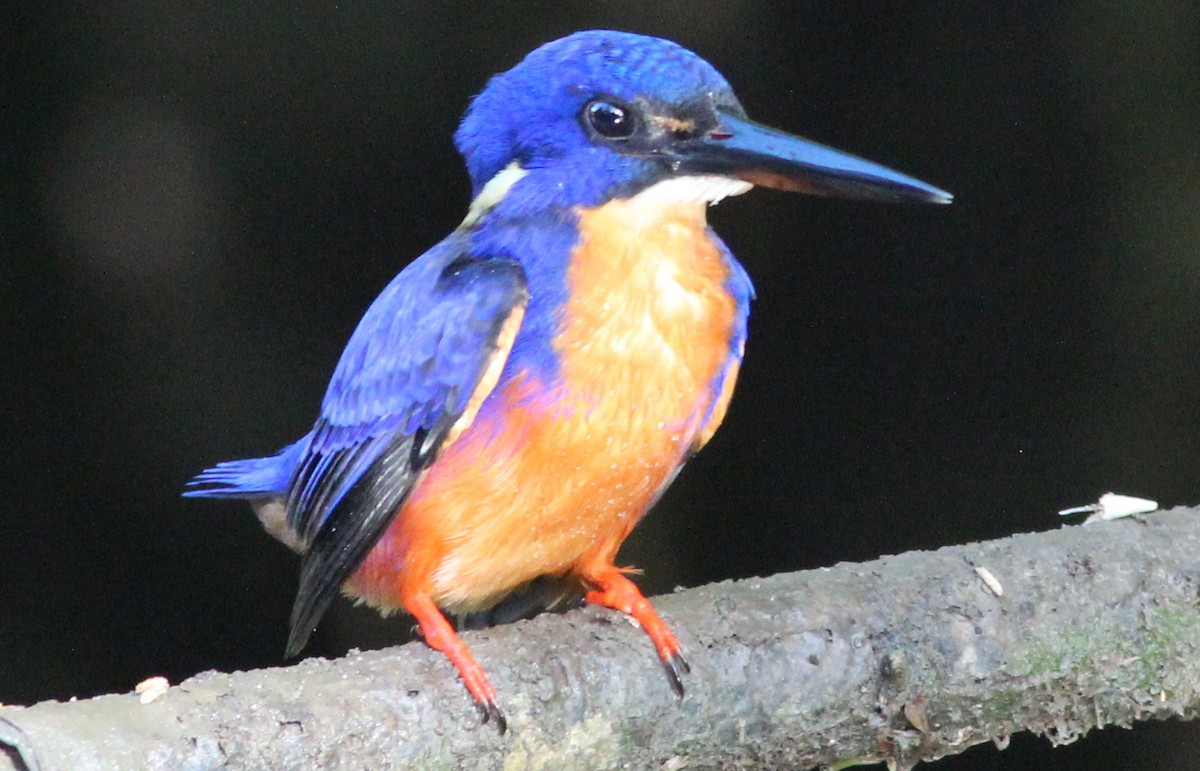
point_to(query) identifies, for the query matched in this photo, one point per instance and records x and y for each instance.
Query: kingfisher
(521, 394)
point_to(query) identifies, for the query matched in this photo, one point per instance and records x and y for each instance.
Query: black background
(199, 202)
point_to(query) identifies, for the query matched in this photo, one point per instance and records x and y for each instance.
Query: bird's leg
(615, 591)
(440, 636)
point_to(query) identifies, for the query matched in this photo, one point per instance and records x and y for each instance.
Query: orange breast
(551, 477)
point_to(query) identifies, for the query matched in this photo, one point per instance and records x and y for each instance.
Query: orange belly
(552, 476)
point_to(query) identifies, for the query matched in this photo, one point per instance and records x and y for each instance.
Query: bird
(520, 395)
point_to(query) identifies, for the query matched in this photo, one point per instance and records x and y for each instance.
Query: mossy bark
(904, 658)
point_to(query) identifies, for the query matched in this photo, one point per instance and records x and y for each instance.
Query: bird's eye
(609, 120)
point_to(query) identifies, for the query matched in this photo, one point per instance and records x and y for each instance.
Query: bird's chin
(699, 189)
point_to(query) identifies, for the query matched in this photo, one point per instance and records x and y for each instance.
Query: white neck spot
(493, 192)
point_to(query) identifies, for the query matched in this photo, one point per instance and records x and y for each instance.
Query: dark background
(198, 203)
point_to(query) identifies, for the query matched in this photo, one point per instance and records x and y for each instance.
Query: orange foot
(615, 591)
(440, 636)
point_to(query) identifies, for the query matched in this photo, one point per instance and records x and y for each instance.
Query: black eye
(609, 120)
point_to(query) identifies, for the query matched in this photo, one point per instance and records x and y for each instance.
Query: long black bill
(762, 155)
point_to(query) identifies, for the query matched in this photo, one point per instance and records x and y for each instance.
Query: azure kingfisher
(520, 395)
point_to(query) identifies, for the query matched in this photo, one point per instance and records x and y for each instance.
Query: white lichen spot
(151, 688)
(1112, 506)
(990, 581)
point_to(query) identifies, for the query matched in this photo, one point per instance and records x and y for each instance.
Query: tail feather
(249, 478)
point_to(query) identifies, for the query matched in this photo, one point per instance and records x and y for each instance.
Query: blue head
(607, 114)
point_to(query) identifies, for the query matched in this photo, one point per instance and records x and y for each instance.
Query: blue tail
(250, 478)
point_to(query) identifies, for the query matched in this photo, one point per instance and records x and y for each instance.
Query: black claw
(676, 668)
(490, 710)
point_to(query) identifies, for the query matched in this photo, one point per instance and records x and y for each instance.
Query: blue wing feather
(405, 378)
(411, 366)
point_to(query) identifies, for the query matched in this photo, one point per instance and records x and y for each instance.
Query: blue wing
(416, 365)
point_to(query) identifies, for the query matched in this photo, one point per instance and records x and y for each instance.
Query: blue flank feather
(407, 372)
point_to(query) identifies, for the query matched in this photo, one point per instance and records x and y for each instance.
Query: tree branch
(905, 658)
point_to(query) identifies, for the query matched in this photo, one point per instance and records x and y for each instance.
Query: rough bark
(904, 658)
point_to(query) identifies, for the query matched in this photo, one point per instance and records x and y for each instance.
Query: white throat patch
(695, 189)
(692, 194)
